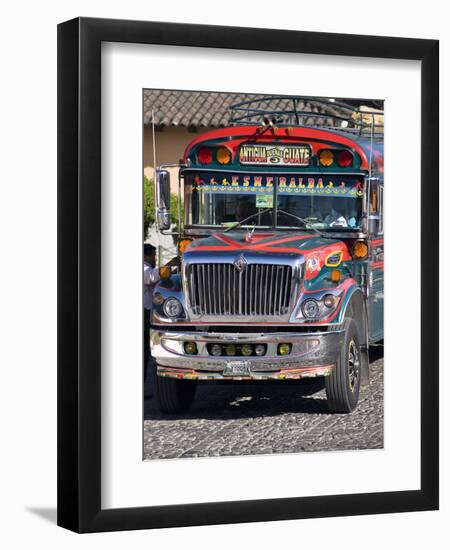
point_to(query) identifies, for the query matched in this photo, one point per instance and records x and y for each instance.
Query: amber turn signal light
(360, 250)
(223, 155)
(326, 157)
(183, 244)
(335, 275)
(165, 272)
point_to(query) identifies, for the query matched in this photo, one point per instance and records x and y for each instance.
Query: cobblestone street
(262, 418)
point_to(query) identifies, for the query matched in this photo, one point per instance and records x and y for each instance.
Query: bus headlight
(329, 300)
(172, 307)
(311, 309)
(314, 309)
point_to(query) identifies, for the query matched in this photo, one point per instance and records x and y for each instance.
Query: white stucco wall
(164, 244)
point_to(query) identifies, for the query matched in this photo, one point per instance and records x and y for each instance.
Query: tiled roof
(212, 109)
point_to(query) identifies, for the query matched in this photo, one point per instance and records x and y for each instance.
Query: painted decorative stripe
(375, 242)
(288, 374)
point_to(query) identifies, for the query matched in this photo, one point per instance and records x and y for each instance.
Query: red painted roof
(243, 133)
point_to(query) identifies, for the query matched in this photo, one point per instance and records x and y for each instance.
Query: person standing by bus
(151, 277)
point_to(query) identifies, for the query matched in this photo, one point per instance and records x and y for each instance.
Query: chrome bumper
(312, 354)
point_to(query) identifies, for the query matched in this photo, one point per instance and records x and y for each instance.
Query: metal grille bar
(258, 290)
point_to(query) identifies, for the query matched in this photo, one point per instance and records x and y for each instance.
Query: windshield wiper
(304, 222)
(237, 224)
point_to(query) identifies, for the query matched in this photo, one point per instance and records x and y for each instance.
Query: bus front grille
(221, 289)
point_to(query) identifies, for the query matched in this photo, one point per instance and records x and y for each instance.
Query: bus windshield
(330, 202)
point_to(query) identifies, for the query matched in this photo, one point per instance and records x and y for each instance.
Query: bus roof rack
(308, 111)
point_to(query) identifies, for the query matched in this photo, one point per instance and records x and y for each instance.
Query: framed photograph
(247, 275)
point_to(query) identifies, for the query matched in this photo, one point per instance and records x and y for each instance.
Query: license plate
(281, 155)
(236, 368)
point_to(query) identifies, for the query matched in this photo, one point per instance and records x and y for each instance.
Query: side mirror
(163, 199)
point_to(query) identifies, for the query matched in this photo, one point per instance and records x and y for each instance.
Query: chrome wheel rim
(353, 365)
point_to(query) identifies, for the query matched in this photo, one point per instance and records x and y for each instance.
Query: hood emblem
(249, 235)
(240, 263)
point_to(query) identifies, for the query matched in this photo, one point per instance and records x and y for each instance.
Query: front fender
(352, 293)
(169, 288)
(355, 307)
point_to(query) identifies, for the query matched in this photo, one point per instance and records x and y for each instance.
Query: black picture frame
(79, 274)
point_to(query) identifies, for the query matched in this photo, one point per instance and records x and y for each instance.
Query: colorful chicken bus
(281, 255)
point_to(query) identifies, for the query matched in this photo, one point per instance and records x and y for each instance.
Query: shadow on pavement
(227, 400)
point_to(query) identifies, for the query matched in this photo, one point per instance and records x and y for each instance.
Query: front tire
(342, 386)
(172, 396)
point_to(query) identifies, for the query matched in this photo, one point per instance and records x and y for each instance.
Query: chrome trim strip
(213, 337)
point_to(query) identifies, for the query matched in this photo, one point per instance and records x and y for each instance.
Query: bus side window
(373, 206)
(380, 208)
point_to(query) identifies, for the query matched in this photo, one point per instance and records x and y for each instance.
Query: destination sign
(270, 154)
(348, 186)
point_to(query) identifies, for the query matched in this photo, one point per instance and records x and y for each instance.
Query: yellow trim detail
(334, 254)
